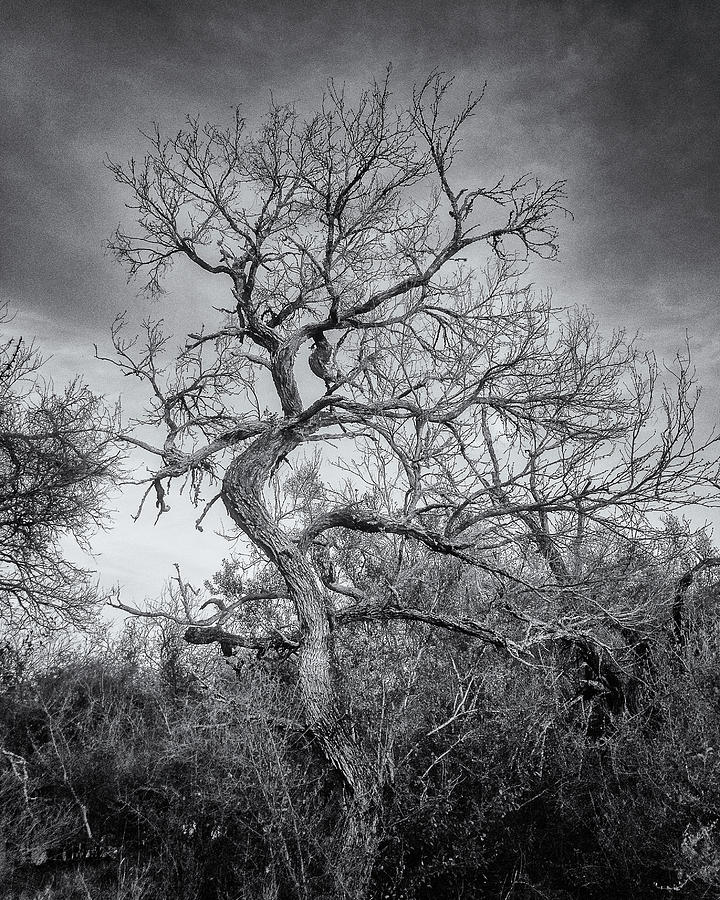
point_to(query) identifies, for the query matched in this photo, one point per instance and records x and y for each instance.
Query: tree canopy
(56, 461)
(444, 410)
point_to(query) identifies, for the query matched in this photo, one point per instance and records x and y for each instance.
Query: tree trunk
(324, 716)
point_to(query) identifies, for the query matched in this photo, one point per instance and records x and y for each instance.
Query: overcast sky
(620, 99)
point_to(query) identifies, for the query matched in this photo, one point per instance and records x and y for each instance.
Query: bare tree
(55, 464)
(469, 419)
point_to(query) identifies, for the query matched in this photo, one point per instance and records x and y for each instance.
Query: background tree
(56, 459)
(469, 420)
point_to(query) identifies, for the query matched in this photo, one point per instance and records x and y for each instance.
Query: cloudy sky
(619, 99)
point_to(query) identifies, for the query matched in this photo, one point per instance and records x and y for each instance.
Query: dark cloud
(619, 98)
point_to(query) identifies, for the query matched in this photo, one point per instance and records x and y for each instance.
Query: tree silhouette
(56, 461)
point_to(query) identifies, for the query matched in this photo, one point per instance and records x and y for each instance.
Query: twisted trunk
(242, 495)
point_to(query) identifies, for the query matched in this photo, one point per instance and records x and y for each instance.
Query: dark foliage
(136, 771)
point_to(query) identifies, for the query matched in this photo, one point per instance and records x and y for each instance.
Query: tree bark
(242, 496)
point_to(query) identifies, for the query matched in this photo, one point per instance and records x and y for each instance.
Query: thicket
(136, 768)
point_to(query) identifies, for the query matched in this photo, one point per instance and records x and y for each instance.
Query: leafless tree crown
(377, 320)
